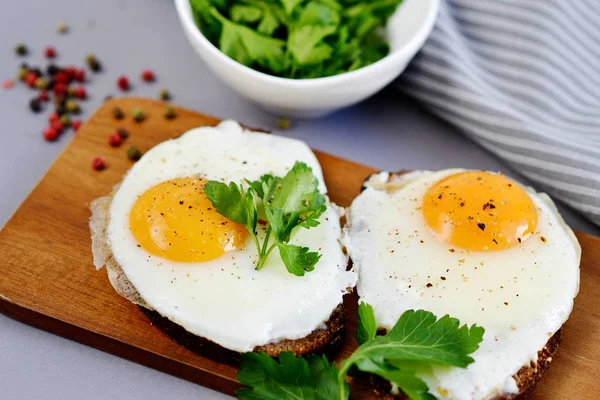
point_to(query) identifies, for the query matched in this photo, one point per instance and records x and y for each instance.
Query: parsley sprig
(287, 203)
(419, 339)
(297, 39)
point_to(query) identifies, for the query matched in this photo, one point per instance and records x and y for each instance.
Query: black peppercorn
(35, 105)
(118, 113)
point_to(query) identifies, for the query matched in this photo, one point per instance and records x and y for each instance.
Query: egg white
(226, 300)
(403, 266)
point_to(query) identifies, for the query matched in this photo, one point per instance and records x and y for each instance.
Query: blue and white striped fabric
(522, 79)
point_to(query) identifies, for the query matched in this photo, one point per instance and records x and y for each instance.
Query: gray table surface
(388, 131)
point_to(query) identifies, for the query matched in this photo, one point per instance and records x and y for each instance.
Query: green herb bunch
(418, 340)
(287, 203)
(297, 39)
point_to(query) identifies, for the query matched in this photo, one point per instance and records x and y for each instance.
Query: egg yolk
(176, 221)
(478, 210)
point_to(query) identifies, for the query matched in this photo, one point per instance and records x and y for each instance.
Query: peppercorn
(138, 115)
(30, 79)
(56, 124)
(21, 50)
(60, 109)
(72, 107)
(52, 69)
(80, 93)
(70, 91)
(107, 97)
(118, 113)
(115, 140)
(164, 94)
(98, 163)
(133, 153)
(169, 113)
(50, 134)
(35, 105)
(65, 120)
(93, 63)
(8, 83)
(123, 133)
(58, 101)
(79, 75)
(53, 116)
(70, 71)
(60, 89)
(123, 83)
(76, 124)
(62, 28)
(42, 83)
(95, 66)
(61, 77)
(22, 73)
(43, 96)
(148, 76)
(283, 123)
(50, 52)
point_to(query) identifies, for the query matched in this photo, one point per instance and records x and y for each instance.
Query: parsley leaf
(416, 341)
(290, 377)
(417, 338)
(298, 259)
(289, 203)
(366, 326)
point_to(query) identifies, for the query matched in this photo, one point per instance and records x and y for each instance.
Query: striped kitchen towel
(522, 79)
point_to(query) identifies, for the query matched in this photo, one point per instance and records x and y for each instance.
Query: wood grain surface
(47, 278)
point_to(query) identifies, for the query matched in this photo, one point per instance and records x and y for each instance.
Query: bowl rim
(185, 15)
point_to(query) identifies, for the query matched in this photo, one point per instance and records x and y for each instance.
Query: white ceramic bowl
(406, 32)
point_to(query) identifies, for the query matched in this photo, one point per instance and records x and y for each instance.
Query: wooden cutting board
(47, 278)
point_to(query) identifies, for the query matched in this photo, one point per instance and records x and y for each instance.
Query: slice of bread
(527, 377)
(326, 340)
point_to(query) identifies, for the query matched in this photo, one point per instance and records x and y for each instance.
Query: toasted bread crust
(320, 341)
(527, 378)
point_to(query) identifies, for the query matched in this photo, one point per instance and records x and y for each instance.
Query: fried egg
(477, 246)
(196, 267)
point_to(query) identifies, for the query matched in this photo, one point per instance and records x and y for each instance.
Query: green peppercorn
(70, 91)
(169, 113)
(283, 123)
(65, 120)
(93, 63)
(138, 115)
(21, 50)
(123, 133)
(118, 113)
(72, 106)
(133, 153)
(22, 72)
(60, 109)
(164, 94)
(42, 83)
(90, 58)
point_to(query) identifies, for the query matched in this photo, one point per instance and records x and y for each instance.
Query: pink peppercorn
(115, 140)
(30, 79)
(75, 124)
(50, 133)
(53, 117)
(80, 93)
(123, 83)
(60, 89)
(43, 96)
(148, 75)
(98, 163)
(79, 75)
(61, 77)
(50, 52)
(8, 83)
(57, 125)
